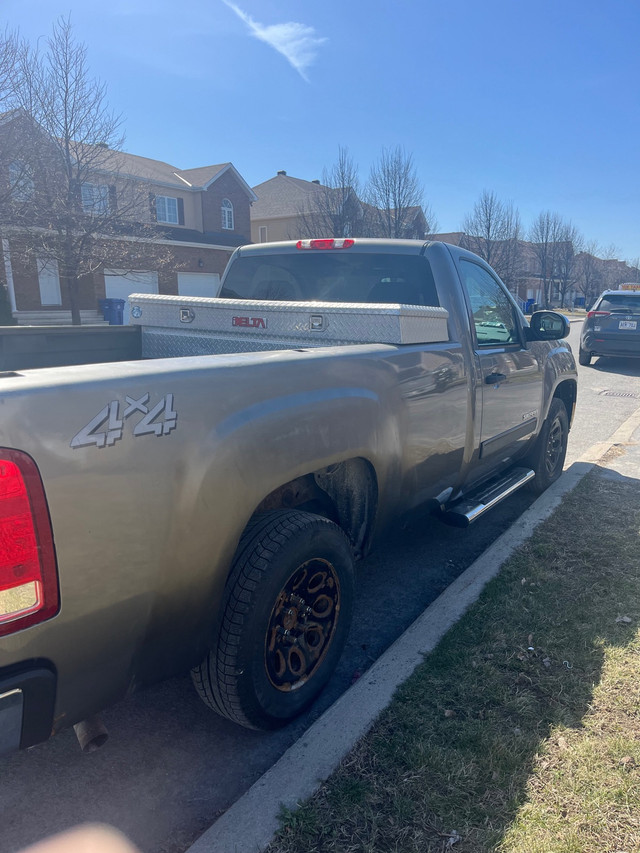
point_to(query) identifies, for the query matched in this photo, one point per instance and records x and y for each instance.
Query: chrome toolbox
(189, 325)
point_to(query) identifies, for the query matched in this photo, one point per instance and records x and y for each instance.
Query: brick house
(289, 208)
(197, 217)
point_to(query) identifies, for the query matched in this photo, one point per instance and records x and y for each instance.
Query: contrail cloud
(298, 43)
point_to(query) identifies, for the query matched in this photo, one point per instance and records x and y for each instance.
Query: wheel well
(345, 493)
(567, 392)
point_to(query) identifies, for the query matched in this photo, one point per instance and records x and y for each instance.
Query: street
(170, 766)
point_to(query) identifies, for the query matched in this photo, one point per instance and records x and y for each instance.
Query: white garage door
(198, 284)
(118, 284)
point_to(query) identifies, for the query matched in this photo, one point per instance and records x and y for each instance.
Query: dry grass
(519, 734)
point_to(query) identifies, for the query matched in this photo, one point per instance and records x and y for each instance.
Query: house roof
(9, 115)
(216, 238)
(283, 196)
(156, 171)
(159, 172)
(452, 237)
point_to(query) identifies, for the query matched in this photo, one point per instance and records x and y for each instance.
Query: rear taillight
(345, 243)
(598, 314)
(28, 574)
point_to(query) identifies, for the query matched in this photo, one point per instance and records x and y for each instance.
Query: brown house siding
(227, 187)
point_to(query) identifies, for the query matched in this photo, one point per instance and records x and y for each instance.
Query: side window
(493, 313)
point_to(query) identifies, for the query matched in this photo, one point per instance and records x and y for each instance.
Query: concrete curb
(249, 824)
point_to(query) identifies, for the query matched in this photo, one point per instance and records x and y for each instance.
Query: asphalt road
(171, 766)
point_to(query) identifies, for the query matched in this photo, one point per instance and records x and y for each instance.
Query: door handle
(494, 378)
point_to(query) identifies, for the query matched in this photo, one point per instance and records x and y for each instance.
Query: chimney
(282, 172)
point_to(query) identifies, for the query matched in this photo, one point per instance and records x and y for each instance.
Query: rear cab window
(337, 276)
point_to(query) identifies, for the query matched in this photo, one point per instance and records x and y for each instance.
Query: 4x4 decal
(108, 425)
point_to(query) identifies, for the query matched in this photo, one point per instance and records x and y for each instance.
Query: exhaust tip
(91, 733)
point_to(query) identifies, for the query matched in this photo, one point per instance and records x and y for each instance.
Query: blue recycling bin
(529, 307)
(102, 306)
(113, 311)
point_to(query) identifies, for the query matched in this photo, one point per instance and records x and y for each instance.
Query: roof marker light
(329, 243)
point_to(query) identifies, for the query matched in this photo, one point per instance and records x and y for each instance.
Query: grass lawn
(520, 733)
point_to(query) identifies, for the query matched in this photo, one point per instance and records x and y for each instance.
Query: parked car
(612, 326)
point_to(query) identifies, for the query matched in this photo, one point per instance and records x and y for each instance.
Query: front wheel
(547, 458)
(584, 357)
(286, 615)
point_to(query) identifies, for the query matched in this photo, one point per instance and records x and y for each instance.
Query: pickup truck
(205, 511)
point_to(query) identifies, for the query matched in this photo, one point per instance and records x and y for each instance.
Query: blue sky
(539, 102)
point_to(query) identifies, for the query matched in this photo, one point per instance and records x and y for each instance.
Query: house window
(49, 282)
(95, 198)
(21, 180)
(167, 209)
(263, 233)
(227, 214)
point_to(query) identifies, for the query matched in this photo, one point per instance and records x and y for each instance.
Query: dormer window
(227, 215)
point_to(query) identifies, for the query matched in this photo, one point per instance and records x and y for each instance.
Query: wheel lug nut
(286, 635)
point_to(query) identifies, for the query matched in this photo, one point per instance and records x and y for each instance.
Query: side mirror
(547, 326)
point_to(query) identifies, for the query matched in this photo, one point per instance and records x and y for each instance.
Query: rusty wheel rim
(302, 625)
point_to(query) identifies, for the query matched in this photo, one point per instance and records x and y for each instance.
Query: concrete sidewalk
(249, 825)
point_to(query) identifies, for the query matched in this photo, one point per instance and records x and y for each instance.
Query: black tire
(286, 615)
(584, 357)
(547, 457)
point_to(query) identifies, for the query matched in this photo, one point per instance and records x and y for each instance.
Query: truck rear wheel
(547, 458)
(286, 615)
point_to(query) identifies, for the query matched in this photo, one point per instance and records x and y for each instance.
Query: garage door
(198, 284)
(118, 284)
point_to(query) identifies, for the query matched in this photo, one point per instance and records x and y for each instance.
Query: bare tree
(589, 272)
(13, 173)
(634, 265)
(493, 231)
(395, 197)
(546, 235)
(334, 209)
(79, 204)
(570, 243)
(10, 47)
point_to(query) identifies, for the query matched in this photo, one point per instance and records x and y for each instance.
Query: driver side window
(493, 312)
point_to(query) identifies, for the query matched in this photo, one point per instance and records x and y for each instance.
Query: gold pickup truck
(202, 508)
